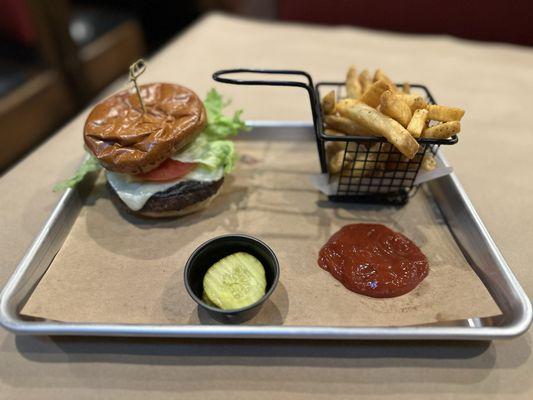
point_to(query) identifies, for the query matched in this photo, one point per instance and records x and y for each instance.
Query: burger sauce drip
(373, 260)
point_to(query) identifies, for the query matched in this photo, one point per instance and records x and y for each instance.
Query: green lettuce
(211, 148)
(220, 126)
(212, 154)
(90, 164)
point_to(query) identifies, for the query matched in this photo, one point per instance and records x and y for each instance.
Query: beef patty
(175, 198)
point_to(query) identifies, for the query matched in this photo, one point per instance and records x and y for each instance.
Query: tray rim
(12, 321)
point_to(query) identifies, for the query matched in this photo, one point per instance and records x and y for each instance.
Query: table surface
(493, 82)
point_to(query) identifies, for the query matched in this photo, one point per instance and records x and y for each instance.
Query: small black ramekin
(214, 250)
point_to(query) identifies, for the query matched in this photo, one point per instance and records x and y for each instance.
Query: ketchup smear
(373, 260)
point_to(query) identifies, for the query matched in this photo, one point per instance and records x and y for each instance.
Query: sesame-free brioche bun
(126, 140)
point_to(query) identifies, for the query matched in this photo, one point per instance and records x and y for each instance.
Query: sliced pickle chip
(236, 281)
(206, 300)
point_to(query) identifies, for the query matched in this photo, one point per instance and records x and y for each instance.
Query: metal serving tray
(463, 221)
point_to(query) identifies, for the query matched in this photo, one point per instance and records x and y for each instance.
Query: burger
(164, 157)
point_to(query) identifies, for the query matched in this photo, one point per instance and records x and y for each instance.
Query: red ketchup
(373, 260)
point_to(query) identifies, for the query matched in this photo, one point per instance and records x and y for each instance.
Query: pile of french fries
(375, 106)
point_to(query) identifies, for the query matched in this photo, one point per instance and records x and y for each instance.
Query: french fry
(444, 113)
(334, 155)
(333, 132)
(406, 88)
(328, 103)
(332, 147)
(443, 130)
(379, 75)
(429, 163)
(364, 165)
(346, 126)
(418, 122)
(373, 93)
(415, 102)
(398, 162)
(365, 80)
(418, 103)
(335, 163)
(352, 73)
(336, 149)
(353, 87)
(378, 123)
(395, 108)
(373, 166)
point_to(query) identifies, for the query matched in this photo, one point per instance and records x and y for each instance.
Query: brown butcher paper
(115, 268)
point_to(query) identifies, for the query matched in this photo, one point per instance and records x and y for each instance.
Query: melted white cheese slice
(135, 193)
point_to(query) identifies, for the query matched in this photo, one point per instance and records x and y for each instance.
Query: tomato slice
(168, 170)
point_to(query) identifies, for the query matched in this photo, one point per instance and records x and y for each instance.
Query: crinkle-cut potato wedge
(372, 95)
(414, 101)
(328, 103)
(353, 86)
(374, 121)
(444, 113)
(443, 130)
(365, 80)
(347, 126)
(395, 108)
(418, 122)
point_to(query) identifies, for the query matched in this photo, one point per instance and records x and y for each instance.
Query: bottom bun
(181, 199)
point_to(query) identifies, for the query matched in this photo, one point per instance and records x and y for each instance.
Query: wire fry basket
(371, 169)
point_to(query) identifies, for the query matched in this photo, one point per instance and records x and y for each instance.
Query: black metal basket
(372, 170)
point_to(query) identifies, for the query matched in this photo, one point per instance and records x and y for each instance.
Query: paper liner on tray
(115, 268)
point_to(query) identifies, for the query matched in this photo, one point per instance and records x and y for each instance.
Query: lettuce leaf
(210, 153)
(220, 126)
(210, 148)
(90, 164)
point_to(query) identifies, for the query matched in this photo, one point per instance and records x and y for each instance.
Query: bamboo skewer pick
(136, 70)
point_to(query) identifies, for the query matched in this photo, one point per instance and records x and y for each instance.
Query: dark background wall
(57, 55)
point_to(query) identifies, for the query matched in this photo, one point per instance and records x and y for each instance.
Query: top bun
(124, 139)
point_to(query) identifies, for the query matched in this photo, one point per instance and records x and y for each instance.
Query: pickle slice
(236, 281)
(206, 300)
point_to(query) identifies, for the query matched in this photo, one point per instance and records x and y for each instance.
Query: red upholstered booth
(494, 20)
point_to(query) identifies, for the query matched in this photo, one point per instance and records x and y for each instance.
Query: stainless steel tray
(463, 221)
